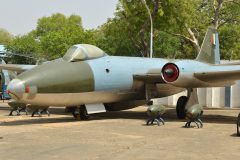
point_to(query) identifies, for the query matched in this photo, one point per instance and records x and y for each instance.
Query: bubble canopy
(81, 52)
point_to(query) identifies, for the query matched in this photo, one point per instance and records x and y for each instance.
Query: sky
(20, 16)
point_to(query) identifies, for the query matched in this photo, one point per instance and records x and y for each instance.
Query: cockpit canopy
(81, 52)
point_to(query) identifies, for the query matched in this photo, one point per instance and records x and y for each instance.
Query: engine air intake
(170, 72)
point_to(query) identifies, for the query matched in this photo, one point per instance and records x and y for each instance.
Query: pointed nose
(16, 89)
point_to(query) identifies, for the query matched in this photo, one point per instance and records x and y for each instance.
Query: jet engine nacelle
(181, 74)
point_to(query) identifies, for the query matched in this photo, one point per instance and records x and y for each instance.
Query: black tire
(238, 125)
(180, 108)
(83, 113)
(80, 113)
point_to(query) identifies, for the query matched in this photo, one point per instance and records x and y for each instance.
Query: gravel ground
(117, 136)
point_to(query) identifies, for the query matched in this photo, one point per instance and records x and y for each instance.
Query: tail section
(210, 52)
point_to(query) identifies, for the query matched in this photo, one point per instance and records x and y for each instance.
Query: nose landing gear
(80, 113)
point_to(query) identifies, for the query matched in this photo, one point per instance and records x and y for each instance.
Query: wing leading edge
(218, 76)
(16, 67)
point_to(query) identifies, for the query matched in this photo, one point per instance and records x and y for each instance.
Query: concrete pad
(118, 136)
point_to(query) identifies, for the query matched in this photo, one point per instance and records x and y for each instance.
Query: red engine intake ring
(170, 72)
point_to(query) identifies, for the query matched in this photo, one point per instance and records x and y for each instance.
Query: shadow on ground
(169, 116)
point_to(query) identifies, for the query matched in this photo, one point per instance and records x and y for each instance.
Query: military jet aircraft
(90, 81)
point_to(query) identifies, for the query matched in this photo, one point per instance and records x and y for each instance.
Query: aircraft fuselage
(103, 80)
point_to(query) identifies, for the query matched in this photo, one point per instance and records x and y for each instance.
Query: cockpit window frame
(83, 52)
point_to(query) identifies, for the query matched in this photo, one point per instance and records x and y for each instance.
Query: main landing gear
(80, 112)
(185, 102)
(189, 107)
(181, 106)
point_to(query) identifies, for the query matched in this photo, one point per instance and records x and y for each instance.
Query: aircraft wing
(16, 67)
(212, 77)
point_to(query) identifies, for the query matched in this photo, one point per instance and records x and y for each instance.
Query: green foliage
(5, 36)
(116, 39)
(122, 35)
(57, 22)
(26, 46)
(52, 37)
(230, 42)
(166, 45)
(57, 33)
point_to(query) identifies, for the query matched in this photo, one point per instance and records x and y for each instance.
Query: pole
(151, 34)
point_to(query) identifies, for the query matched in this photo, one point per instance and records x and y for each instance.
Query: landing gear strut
(80, 113)
(238, 125)
(180, 108)
(184, 102)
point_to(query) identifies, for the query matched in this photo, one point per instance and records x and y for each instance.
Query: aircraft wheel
(83, 113)
(238, 125)
(180, 108)
(70, 109)
(76, 116)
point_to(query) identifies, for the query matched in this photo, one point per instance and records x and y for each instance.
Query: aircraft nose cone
(16, 89)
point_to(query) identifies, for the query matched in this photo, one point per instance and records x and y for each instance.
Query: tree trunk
(194, 40)
(217, 8)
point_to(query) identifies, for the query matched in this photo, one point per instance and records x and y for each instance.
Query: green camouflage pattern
(154, 110)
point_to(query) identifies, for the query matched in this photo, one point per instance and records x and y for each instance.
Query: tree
(5, 36)
(52, 37)
(179, 26)
(129, 31)
(230, 42)
(57, 33)
(24, 49)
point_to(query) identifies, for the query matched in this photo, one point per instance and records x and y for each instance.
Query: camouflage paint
(60, 77)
